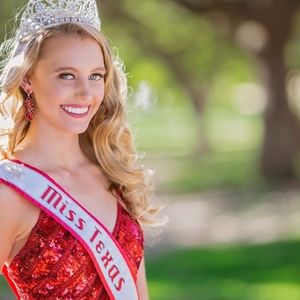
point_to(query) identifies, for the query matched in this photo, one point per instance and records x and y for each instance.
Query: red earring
(29, 107)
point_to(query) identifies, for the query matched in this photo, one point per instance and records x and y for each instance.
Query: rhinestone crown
(41, 14)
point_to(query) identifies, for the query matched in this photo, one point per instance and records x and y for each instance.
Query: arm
(142, 282)
(9, 222)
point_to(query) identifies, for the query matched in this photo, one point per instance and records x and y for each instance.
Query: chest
(91, 191)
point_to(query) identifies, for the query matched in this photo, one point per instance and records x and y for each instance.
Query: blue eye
(96, 76)
(67, 76)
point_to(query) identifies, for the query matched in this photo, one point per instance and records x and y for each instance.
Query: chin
(77, 129)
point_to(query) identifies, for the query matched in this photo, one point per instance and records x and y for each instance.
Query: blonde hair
(108, 141)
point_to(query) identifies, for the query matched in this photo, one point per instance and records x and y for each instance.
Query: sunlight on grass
(168, 136)
(168, 128)
(275, 291)
(214, 170)
(231, 132)
(257, 272)
(162, 129)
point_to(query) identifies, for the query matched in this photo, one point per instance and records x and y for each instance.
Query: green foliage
(8, 10)
(172, 39)
(4, 288)
(215, 171)
(234, 72)
(260, 272)
(171, 131)
(293, 48)
(211, 64)
(162, 129)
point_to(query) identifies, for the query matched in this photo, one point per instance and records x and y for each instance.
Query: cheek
(58, 93)
(99, 101)
(99, 93)
(46, 90)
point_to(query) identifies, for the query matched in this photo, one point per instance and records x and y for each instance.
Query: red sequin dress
(54, 265)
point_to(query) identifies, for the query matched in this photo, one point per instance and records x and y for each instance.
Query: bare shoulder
(12, 208)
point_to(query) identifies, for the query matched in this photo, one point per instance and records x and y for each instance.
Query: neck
(52, 146)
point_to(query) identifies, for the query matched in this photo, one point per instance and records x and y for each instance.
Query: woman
(81, 237)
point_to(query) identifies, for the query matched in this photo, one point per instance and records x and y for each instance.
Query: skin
(70, 72)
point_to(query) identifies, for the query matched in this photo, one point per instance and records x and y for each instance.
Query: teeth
(75, 110)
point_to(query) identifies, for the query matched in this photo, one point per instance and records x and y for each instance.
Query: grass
(169, 136)
(260, 272)
(4, 289)
(160, 130)
(174, 129)
(215, 170)
(231, 170)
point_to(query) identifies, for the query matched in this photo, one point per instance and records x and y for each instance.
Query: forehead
(71, 50)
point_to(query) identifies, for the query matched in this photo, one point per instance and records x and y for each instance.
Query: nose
(84, 91)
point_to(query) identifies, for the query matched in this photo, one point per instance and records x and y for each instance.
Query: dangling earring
(29, 107)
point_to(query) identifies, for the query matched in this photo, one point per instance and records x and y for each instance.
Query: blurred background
(214, 106)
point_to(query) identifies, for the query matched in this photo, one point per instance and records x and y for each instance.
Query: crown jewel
(41, 14)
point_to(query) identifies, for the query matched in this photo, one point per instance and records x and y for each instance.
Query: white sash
(111, 264)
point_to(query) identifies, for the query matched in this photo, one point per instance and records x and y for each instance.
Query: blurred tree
(170, 45)
(264, 28)
(7, 12)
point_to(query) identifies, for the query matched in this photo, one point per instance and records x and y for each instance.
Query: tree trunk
(282, 129)
(198, 97)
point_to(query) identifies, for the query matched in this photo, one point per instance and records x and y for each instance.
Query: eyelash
(63, 75)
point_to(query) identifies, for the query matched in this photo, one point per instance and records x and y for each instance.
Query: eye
(67, 76)
(96, 76)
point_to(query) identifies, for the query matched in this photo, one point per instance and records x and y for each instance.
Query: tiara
(40, 14)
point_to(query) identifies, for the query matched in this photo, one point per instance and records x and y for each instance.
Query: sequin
(54, 265)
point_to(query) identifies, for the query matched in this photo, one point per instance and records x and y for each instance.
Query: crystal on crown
(41, 14)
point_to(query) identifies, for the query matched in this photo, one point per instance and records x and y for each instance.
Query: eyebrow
(74, 69)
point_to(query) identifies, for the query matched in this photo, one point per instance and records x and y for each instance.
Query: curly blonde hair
(108, 141)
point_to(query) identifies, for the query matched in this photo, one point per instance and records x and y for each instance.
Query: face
(67, 83)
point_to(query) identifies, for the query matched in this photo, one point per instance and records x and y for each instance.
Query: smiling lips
(76, 111)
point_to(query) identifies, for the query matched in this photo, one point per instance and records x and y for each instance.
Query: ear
(26, 84)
